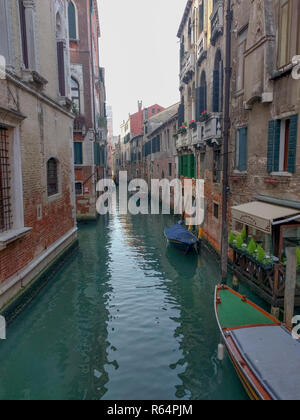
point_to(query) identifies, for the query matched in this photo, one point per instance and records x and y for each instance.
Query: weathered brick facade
(90, 129)
(38, 125)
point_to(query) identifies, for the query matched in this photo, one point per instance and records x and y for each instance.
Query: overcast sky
(140, 53)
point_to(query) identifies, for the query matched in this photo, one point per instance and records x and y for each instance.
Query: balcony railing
(208, 132)
(188, 67)
(217, 21)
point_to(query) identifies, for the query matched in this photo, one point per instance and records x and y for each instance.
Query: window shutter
(293, 144)
(181, 114)
(277, 145)
(185, 166)
(78, 158)
(61, 68)
(216, 90)
(198, 104)
(202, 99)
(243, 134)
(96, 154)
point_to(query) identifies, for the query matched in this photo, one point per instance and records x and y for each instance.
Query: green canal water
(127, 317)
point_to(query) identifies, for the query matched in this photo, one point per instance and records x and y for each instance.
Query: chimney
(140, 105)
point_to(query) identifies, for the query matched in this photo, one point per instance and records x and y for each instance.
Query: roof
(184, 18)
(158, 120)
(261, 215)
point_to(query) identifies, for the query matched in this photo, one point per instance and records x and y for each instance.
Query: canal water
(127, 317)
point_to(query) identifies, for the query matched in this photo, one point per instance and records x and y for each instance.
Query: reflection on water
(128, 318)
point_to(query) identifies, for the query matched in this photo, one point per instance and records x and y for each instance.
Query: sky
(140, 53)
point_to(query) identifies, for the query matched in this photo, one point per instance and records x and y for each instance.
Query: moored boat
(265, 355)
(181, 238)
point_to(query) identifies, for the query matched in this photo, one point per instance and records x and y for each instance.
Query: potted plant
(192, 125)
(204, 116)
(182, 129)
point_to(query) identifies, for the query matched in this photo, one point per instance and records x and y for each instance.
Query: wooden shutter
(78, 160)
(61, 68)
(293, 144)
(242, 164)
(181, 114)
(273, 146)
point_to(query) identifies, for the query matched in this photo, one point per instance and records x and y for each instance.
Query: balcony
(208, 132)
(212, 133)
(188, 67)
(217, 21)
(202, 49)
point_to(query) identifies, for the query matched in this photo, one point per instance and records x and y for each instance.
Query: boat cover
(274, 357)
(181, 234)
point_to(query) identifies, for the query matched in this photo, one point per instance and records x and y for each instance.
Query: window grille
(5, 198)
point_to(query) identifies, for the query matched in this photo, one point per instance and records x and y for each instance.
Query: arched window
(218, 83)
(203, 93)
(72, 21)
(52, 177)
(75, 90)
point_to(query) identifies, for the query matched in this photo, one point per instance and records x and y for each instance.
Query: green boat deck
(234, 313)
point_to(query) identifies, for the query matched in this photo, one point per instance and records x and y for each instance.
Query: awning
(262, 216)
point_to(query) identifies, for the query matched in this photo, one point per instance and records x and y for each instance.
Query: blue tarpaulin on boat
(181, 234)
(274, 357)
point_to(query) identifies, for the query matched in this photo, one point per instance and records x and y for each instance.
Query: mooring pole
(225, 189)
(290, 287)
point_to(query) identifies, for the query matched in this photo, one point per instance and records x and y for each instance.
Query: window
(284, 33)
(5, 193)
(218, 83)
(23, 34)
(52, 177)
(75, 96)
(282, 145)
(202, 166)
(201, 104)
(78, 155)
(201, 17)
(78, 188)
(241, 149)
(72, 21)
(170, 169)
(60, 47)
(187, 166)
(242, 42)
(216, 210)
(217, 166)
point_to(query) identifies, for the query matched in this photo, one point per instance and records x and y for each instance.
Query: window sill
(54, 197)
(283, 174)
(12, 235)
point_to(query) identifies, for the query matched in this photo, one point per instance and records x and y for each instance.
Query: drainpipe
(225, 189)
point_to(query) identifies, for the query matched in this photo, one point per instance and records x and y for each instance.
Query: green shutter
(277, 145)
(78, 158)
(242, 164)
(97, 154)
(293, 144)
(273, 146)
(185, 166)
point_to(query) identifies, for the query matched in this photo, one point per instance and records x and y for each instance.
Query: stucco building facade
(37, 201)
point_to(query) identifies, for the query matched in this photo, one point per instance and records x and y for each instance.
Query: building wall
(39, 128)
(90, 125)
